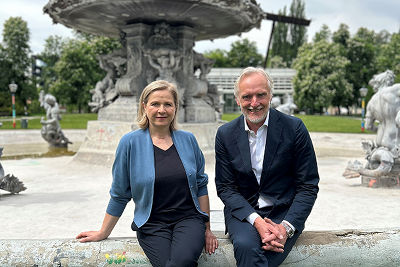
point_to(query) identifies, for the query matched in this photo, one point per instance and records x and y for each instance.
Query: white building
(225, 79)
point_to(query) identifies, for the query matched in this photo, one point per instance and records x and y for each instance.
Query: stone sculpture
(104, 92)
(288, 107)
(51, 129)
(383, 154)
(9, 182)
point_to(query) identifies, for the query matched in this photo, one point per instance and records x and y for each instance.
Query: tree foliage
(220, 56)
(320, 78)
(362, 55)
(297, 33)
(389, 57)
(243, 53)
(48, 58)
(288, 38)
(280, 45)
(324, 34)
(342, 36)
(77, 70)
(15, 64)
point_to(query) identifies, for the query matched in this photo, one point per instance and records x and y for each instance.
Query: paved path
(65, 197)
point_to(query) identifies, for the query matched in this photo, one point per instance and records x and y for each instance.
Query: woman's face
(160, 109)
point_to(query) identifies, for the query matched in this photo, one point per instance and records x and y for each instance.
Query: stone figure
(202, 63)
(51, 129)
(9, 182)
(166, 61)
(287, 108)
(382, 80)
(105, 92)
(382, 154)
(275, 102)
(380, 161)
(383, 107)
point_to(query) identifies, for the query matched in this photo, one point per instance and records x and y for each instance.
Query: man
(266, 174)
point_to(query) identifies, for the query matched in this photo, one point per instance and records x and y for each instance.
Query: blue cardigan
(134, 174)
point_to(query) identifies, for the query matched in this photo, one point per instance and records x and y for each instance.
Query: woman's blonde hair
(142, 120)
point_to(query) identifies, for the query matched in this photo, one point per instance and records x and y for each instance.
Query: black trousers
(177, 244)
(247, 243)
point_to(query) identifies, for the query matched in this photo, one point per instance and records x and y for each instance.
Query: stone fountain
(157, 38)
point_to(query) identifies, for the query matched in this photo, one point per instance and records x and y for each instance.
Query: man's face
(254, 98)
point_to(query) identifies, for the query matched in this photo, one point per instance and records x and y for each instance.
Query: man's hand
(273, 245)
(270, 234)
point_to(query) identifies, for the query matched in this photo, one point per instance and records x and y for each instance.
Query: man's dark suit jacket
(289, 177)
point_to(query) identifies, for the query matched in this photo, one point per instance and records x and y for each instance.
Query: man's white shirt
(257, 142)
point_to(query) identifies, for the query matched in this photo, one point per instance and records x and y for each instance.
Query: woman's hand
(91, 236)
(211, 242)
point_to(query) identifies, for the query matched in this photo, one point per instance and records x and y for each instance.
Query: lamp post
(363, 94)
(13, 88)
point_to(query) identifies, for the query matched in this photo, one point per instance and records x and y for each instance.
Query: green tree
(5, 98)
(277, 62)
(320, 78)
(361, 54)
(389, 57)
(49, 57)
(342, 36)
(382, 37)
(288, 38)
(297, 33)
(78, 70)
(16, 62)
(279, 44)
(220, 56)
(244, 53)
(323, 34)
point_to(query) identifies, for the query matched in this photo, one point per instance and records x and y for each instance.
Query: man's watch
(289, 230)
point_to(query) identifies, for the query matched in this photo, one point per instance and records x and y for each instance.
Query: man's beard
(246, 114)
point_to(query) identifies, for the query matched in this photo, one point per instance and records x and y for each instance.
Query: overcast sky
(376, 15)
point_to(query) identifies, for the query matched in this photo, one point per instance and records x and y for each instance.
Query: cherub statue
(383, 153)
(51, 129)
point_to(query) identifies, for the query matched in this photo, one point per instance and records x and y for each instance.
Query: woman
(162, 170)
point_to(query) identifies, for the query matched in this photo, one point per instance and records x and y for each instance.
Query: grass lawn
(68, 121)
(316, 123)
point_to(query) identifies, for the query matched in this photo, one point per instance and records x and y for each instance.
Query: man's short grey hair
(250, 70)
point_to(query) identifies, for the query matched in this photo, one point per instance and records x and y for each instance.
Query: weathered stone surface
(210, 18)
(123, 109)
(333, 248)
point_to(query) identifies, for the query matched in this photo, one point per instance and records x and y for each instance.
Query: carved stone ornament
(9, 182)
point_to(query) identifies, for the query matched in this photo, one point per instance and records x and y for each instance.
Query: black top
(172, 199)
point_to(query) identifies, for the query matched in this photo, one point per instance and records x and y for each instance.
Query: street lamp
(13, 88)
(363, 94)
